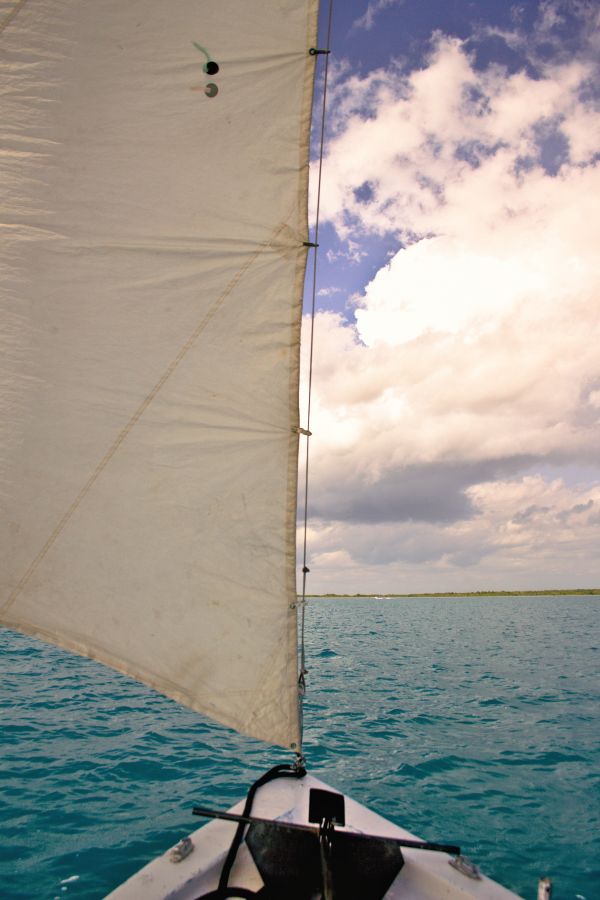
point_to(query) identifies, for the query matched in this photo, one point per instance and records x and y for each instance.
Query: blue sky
(457, 381)
(373, 35)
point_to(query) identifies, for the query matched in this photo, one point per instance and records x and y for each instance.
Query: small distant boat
(154, 251)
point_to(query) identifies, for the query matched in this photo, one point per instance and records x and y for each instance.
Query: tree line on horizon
(549, 592)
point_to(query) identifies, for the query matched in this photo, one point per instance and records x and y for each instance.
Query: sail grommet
(210, 67)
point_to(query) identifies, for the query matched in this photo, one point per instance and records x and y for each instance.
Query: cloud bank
(473, 363)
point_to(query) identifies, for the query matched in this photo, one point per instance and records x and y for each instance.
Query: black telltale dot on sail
(211, 90)
(211, 67)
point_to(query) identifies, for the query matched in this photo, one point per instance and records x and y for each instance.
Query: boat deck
(424, 876)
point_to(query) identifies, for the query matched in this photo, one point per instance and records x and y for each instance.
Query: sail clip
(303, 431)
(302, 682)
(314, 51)
(299, 764)
(309, 244)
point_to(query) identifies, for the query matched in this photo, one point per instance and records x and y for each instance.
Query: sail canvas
(151, 273)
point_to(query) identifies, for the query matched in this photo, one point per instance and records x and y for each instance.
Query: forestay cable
(305, 570)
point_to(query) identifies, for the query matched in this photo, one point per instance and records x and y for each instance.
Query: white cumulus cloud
(474, 352)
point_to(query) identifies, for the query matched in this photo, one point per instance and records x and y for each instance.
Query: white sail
(151, 269)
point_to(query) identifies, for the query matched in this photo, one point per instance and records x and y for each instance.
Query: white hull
(425, 875)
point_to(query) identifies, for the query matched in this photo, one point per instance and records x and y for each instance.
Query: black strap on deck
(298, 861)
(283, 770)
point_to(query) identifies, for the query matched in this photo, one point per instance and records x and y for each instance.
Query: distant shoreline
(543, 593)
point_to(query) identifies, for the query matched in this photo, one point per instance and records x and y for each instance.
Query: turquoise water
(472, 720)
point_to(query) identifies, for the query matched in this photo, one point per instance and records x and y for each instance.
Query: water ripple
(486, 734)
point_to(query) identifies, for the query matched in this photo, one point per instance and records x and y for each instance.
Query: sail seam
(125, 431)
(11, 15)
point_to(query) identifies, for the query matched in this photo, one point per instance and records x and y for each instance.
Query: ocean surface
(469, 720)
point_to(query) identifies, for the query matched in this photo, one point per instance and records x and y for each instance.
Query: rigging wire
(315, 245)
